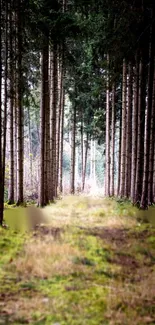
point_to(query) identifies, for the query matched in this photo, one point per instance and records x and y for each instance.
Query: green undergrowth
(93, 264)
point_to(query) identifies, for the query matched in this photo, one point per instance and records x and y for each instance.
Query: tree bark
(144, 198)
(123, 144)
(53, 193)
(30, 149)
(47, 126)
(61, 140)
(129, 133)
(140, 135)
(152, 141)
(11, 77)
(119, 153)
(82, 153)
(134, 128)
(85, 161)
(44, 76)
(20, 197)
(59, 116)
(107, 158)
(1, 174)
(112, 192)
(5, 99)
(72, 187)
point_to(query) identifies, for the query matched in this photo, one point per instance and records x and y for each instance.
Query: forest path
(92, 263)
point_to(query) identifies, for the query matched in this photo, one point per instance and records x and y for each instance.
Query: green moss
(151, 241)
(100, 289)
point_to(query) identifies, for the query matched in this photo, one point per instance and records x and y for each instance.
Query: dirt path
(90, 266)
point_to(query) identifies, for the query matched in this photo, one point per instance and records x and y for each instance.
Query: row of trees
(137, 115)
(99, 59)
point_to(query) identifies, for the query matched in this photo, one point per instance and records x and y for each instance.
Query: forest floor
(93, 263)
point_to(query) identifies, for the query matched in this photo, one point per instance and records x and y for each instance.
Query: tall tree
(43, 108)
(72, 184)
(20, 86)
(11, 90)
(1, 173)
(112, 189)
(123, 135)
(144, 197)
(107, 159)
(129, 132)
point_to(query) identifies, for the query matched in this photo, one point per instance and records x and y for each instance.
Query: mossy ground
(94, 263)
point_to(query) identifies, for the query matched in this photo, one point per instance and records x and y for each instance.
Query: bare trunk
(1, 175)
(123, 144)
(119, 154)
(152, 141)
(107, 158)
(85, 161)
(30, 150)
(44, 70)
(15, 144)
(154, 176)
(59, 120)
(144, 198)
(47, 127)
(5, 95)
(20, 197)
(113, 140)
(11, 72)
(134, 129)
(91, 158)
(72, 189)
(140, 135)
(53, 124)
(61, 140)
(82, 156)
(129, 133)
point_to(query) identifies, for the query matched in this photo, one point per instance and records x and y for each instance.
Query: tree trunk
(134, 128)
(144, 198)
(11, 77)
(59, 116)
(72, 189)
(30, 149)
(152, 141)
(129, 133)
(82, 155)
(54, 123)
(154, 176)
(15, 142)
(123, 144)
(61, 140)
(44, 78)
(85, 161)
(47, 127)
(140, 135)
(107, 158)
(119, 153)
(1, 174)
(5, 98)
(112, 192)
(91, 159)
(20, 197)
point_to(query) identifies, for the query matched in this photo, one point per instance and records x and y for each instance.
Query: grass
(92, 263)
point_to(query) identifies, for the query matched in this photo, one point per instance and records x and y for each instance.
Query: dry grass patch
(46, 259)
(90, 212)
(132, 304)
(75, 210)
(26, 309)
